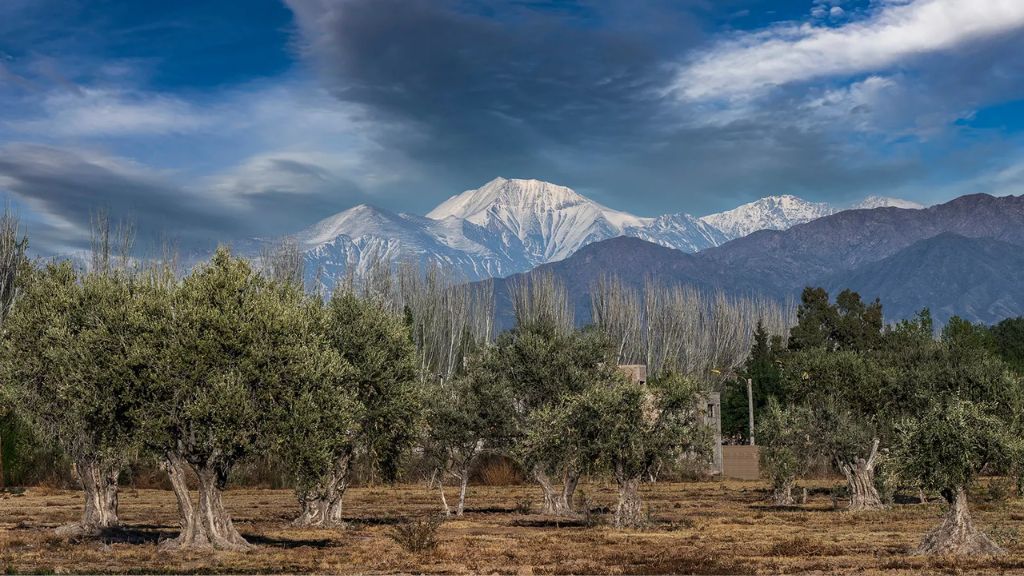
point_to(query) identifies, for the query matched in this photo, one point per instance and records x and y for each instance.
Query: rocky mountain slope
(957, 258)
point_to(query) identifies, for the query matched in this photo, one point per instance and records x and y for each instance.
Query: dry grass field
(706, 528)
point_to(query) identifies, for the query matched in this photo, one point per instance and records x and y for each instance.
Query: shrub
(999, 490)
(498, 472)
(417, 535)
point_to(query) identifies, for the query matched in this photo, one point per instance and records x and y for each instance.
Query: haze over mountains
(509, 226)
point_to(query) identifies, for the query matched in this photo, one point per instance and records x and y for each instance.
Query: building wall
(741, 462)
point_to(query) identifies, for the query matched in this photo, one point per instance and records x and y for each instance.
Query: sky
(209, 121)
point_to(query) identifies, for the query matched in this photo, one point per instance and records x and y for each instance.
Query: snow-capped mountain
(357, 236)
(510, 225)
(784, 212)
(680, 231)
(550, 221)
(885, 202)
(771, 213)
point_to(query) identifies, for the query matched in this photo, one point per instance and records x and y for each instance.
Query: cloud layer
(191, 127)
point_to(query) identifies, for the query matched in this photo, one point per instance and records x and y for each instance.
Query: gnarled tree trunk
(629, 512)
(557, 502)
(957, 534)
(99, 487)
(323, 507)
(208, 525)
(782, 492)
(860, 477)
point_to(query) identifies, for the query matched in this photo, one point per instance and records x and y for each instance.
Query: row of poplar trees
(120, 364)
(892, 407)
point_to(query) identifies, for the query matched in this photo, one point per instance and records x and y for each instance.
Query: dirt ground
(707, 528)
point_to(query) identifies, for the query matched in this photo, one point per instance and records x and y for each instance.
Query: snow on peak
(355, 221)
(520, 195)
(770, 213)
(512, 225)
(885, 202)
(550, 221)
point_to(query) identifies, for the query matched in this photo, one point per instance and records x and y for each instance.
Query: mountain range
(962, 257)
(509, 226)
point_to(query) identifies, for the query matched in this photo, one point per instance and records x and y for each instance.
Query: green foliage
(75, 351)
(236, 345)
(323, 418)
(763, 368)
(626, 428)
(849, 324)
(947, 446)
(1008, 342)
(376, 344)
(543, 366)
(787, 438)
(473, 409)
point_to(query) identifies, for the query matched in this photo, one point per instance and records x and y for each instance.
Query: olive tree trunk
(463, 476)
(208, 525)
(860, 477)
(324, 506)
(957, 535)
(557, 500)
(629, 512)
(782, 491)
(99, 487)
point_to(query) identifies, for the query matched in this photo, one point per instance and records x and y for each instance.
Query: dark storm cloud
(481, 89)
(70, 186)
(587, 95)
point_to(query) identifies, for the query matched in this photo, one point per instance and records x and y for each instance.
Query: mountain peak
(361, 216)
(473, 205)
(549, 220)
(885, 202)
(771, 213)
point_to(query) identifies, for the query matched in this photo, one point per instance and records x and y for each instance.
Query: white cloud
(750, 63)
(107, 112)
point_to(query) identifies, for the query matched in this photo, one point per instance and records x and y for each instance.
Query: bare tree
(283, 262)
(541, 298)
(680, 329)
(12, 259)
(111, 244)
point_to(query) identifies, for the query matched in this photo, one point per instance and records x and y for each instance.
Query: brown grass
(704, 528)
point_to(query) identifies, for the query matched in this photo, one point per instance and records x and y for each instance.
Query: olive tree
(787, 447)
(849, 412)
(945, 449)
(369, 411)
(630, 429)
(465, 416)
(543, 364)
(76, 352)
(235, 345)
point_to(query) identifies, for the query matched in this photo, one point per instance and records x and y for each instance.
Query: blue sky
(212, 121)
